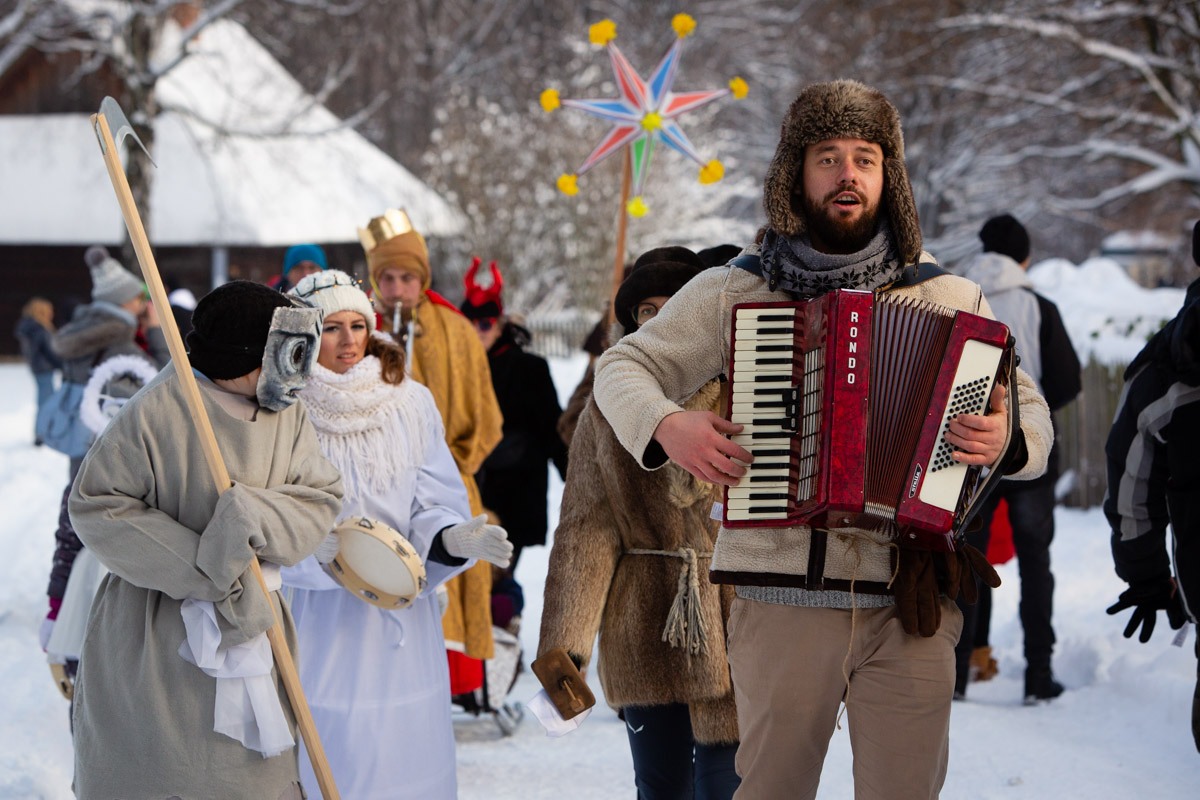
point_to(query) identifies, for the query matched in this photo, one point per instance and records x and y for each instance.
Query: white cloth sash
(272, 575)
(546, 712)
(247, 706)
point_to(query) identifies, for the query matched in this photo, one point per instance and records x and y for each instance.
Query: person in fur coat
(823, 617)
(629, 560)
(376, 678)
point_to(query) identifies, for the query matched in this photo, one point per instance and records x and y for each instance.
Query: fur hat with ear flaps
(842, 110)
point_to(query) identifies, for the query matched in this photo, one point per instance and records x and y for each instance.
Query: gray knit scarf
(791, 264)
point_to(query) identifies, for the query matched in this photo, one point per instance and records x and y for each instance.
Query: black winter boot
(1040, 686)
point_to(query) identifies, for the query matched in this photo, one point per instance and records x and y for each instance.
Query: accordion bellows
(845, 400)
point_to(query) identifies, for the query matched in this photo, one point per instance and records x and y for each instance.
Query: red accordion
(845, 400)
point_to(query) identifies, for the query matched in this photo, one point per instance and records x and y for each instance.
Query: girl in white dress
(377, 679)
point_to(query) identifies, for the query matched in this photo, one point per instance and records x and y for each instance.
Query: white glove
(327, 550)
(44, 631)
(476, 539)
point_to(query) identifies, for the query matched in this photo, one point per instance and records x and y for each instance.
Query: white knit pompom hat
(333, 291)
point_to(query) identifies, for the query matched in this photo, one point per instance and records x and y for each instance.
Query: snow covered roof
(1138, 241)
(1108, 316)
(245, 158)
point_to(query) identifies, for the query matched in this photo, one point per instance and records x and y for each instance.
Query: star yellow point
(712, 172)
(683, 25)
(567, 184)
(637, 207)
(738, 88)
(602, 32)
(549, 100)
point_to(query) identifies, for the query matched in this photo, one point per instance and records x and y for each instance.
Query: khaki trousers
(790, 667)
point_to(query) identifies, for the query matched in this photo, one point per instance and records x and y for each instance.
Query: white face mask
(288, 358)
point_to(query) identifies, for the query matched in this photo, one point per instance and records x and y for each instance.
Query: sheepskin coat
(612, 507)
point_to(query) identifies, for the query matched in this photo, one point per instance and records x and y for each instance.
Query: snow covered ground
(1121, 730)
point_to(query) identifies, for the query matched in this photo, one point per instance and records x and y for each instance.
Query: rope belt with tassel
(685, 621)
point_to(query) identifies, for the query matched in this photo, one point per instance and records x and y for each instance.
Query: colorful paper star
(645, 113)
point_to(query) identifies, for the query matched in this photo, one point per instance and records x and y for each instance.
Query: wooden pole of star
(622, 223)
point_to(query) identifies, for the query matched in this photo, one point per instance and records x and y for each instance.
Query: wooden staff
(208, 441)
(622, 222)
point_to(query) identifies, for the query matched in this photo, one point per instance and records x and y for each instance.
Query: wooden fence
(559, 336)
(1082, 429)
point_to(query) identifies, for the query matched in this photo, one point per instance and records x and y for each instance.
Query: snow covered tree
(1083, 116)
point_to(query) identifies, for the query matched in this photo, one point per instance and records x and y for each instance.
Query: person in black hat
(1047, 355)
(181, 609)
(629, 561)
(1152, 478)
(651, 290)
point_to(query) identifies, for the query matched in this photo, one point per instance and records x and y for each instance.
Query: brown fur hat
(842, 109)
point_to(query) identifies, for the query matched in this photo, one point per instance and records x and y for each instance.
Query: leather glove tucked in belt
(923, 576)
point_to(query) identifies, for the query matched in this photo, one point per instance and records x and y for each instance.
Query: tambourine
(377, 564)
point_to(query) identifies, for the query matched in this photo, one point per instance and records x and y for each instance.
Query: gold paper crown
(389, 225)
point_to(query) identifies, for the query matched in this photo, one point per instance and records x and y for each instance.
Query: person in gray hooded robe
(149, 722)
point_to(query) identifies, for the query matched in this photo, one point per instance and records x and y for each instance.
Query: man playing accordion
(824, 617)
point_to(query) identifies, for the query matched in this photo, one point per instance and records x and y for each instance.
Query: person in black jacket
(514, 480)
(1046, 354)
(1154, 479)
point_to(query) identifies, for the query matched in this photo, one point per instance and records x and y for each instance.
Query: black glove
(923, 576)
(1146, 599)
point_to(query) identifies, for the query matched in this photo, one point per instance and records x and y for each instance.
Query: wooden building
(247, 164)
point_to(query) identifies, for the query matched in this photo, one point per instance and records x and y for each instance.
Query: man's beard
(841, 237)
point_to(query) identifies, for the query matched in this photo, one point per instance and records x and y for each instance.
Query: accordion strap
(749, 262)
(917, 273)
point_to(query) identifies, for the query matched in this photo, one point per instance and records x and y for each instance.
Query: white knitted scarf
(371, 430)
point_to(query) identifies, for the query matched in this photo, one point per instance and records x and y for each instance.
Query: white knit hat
(333, 291)
(111, 283)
